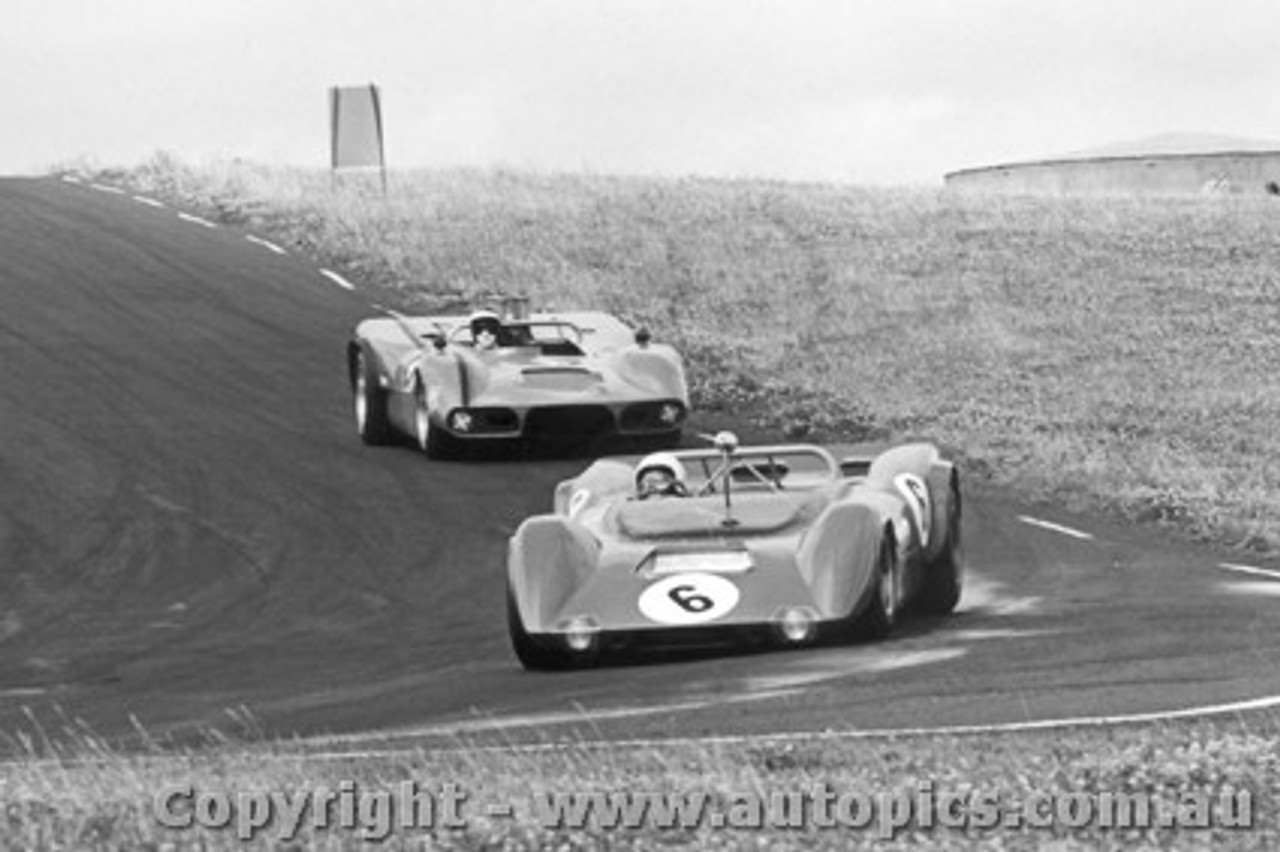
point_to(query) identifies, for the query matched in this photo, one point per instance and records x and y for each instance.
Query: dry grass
(1114, 354)
(106, 801)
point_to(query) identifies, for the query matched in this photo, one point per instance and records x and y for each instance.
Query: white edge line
(150, 202)
(71, 179)
(1249, 569)
(1267, 702)
(1058, 528)
(196, 220)
(1264, 703)
(267, 244)
(102, 187)
(337, 279)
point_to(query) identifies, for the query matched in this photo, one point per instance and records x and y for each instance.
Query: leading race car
(781, 544)
(446, 380)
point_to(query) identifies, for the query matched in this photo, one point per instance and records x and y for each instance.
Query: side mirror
(643, 337)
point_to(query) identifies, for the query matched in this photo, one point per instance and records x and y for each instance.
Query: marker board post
(355, 130)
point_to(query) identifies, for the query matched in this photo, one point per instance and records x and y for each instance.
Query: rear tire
(944, 577)
(430, 438)
(881, 613)
(370, 401)
(532, 655)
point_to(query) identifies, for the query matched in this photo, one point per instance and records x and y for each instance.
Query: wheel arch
(548, 559)
(357, 347)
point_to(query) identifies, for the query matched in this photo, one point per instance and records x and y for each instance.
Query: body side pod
(474, 376)
(389, 337)
(908, 458)
(656, 368)
(838, 555)
(384, 343)
(917, 475)
(548, 559)
(446, 377)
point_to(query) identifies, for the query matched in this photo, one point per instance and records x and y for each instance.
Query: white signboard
(355, 128)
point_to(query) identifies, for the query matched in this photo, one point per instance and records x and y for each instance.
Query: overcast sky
(883, 92)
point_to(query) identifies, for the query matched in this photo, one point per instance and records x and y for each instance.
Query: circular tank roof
(1163, 145)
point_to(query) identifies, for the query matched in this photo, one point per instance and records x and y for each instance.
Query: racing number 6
(916, 493)
(688, 599)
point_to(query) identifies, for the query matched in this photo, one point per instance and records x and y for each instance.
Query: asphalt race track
(192, 535)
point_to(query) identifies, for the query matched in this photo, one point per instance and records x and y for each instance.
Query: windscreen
(788, 469)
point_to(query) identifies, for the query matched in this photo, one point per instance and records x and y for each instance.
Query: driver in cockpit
(660, 475)
(485, 329)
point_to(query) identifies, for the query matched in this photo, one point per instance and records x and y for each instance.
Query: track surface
(189, 524)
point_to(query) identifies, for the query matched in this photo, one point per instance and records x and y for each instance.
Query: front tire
(881, 613)
(532, 656)
(430, 438)
(370, 401)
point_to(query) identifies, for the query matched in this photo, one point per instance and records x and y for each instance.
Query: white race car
(443, 380)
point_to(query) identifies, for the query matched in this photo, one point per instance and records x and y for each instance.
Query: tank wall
(1167, 175)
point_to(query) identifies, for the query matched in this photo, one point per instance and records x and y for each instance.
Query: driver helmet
(664, 462)
(484, 321)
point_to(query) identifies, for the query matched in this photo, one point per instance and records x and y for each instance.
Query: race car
(509, 374)
(778, 545)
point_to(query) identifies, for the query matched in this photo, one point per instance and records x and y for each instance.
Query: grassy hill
(1114, 354)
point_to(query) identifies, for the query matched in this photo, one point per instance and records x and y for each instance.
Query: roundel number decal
(688, 599)
(916, 494)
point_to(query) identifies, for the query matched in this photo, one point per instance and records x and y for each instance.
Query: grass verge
(1084, 790)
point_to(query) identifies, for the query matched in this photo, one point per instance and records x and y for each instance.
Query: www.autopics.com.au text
(376, 813)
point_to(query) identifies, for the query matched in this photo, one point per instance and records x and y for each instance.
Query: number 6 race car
(447, 380)
(778, 545)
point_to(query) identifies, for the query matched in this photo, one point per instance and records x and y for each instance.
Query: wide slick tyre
(881, 612)
(944, 577)
(369, 401)
(529, 652)
(429, 437)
